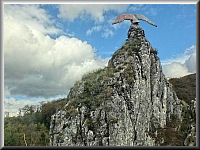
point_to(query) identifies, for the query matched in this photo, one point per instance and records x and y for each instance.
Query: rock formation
(120, 105)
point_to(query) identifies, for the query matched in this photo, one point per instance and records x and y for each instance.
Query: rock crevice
(120, 104)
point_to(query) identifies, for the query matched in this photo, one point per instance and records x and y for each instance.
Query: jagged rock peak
(123, 104)
(136, 45)
(135, 31)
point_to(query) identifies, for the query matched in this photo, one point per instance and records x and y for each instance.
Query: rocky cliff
(185, 88)
(123, 104)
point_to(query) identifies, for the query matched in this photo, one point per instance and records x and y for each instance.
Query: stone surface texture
(140, 100)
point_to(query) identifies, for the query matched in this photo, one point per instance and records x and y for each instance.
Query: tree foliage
(31, 129)
(185, 87)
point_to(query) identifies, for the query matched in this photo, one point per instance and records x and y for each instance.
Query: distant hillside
(185, 87)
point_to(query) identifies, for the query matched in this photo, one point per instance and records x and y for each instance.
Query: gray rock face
(121, 104)
(191, 136)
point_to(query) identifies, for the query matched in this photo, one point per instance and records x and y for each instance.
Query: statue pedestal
(135, 31)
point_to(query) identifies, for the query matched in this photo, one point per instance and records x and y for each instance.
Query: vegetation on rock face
(95, 90)
(176, 131)
(129, 73)
(185, 88)
(170, 135)
(154, 51)
(131, 46)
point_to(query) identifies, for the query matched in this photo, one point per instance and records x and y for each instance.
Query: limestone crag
(190, 140)
(120, 104)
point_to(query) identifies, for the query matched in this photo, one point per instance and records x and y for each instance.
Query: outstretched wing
(123, 17)
(142, 17)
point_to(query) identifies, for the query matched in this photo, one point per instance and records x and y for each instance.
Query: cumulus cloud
(175, 70)
(12, 105)
(181, 66)
(37, 65)
(190, 63)
(95, 11)
(32, 16)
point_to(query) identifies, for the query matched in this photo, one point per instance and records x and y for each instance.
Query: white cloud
(175, 70)
(136, 7)
(12, 105)
(107, 32)
(93, 29)
(181, 66)
(96, 11)
(31, 16)
(147, 10)
(190, 63)
(37, 65)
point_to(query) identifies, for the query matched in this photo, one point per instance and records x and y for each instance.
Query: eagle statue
(134, 18)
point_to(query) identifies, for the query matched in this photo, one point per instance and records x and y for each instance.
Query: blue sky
(176, 28)
(47, 48)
